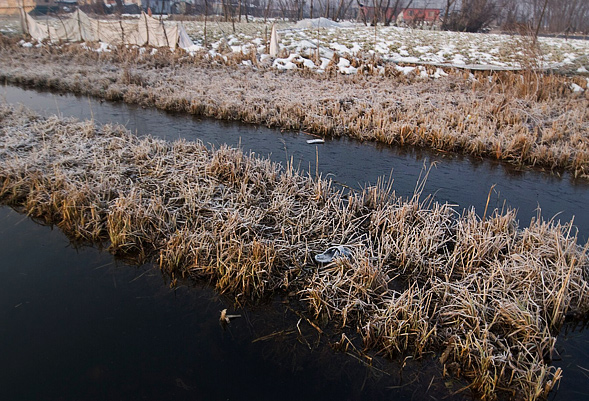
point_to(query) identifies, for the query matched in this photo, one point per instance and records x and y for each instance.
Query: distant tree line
(537, 16)
(547, 16)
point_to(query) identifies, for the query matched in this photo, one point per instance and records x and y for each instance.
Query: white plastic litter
(332, 253)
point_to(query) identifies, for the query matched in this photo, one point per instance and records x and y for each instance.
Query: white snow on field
(102, 47)
(405, 70)
(339, 48)
(317, 22)
(399, 45)
(323, 40)
(345, 67)
(576, 88)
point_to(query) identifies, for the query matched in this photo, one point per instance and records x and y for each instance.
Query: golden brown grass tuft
(488, 296)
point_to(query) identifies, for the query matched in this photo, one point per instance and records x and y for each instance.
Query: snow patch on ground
(318, 23)
(345, 68)
(576, 88)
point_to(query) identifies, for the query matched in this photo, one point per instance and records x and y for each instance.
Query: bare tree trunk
(540, 21)
(336, 15)
(449, 3)
(206, 17)
(119, 7)
(362, 11)
(301, 9)
(346, 8)
(389, 16)
(268, 5)
(375, 14)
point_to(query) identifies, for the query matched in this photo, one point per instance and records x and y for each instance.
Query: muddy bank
(524, 119)
(486, 295)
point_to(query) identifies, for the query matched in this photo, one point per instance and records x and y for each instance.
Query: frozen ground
(9, 25)
(304, 45)
(400, 45)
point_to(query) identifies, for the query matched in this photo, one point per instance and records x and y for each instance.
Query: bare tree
(391, 13)
(401, 9)
(540, 20)
(449, 5)
(473, 15)
(342, 9)
(362, 12)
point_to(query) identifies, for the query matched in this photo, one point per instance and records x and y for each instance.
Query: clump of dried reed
(487, 296)
(528, 119)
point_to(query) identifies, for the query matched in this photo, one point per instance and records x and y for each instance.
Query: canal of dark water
(77, 324)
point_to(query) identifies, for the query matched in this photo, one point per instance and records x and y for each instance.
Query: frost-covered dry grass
(486, 297)
(526, 118)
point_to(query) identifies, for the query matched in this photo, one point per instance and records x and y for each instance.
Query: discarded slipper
(332, 253)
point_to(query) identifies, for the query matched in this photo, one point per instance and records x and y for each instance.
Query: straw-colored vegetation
(484, 294)
(525, 118)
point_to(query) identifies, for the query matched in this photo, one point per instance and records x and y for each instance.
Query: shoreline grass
(525, 118)
(485, 295)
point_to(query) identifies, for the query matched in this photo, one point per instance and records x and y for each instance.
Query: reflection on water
(76, 325)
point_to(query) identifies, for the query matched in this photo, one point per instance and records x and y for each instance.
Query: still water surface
(77, 325)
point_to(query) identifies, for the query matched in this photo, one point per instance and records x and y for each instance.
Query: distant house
(421, 14)
(418, 11)
(11, 7)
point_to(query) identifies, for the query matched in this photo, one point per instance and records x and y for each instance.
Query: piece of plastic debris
(332, 253)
